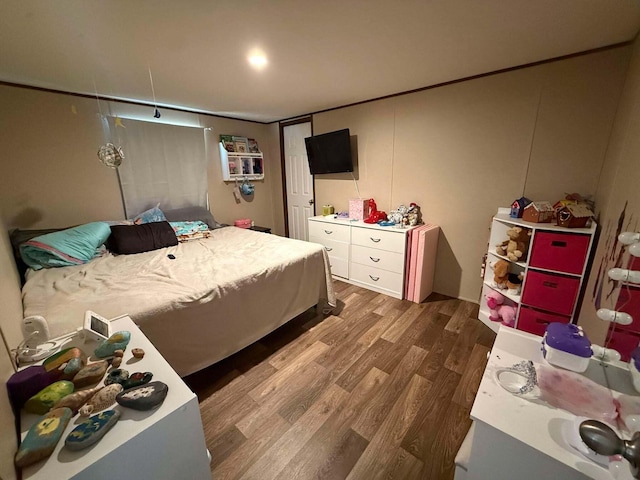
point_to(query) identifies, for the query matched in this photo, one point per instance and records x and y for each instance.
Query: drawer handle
(375, 279)
(328, 232)
(558, 243)
(550, 284)
(328, 249)
(374, 259)
(375, 240)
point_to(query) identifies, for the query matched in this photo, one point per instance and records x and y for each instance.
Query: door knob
(311, 202)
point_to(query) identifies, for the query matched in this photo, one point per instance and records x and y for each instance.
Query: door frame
(283, 168)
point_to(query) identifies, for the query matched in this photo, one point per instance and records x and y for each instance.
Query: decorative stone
(25, 383)
(75, 400)
(116, 362)
(55, 363)
(91, 374)
(144, 397)
(118, 353)
(91, 430)
(117, 341)
(101, 400)
(118, 375)
(138, 352)
(71, 368)
(137, 379)
(46, 398)
(42, 437)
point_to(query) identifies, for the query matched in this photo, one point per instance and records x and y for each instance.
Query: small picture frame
(253, 145)
(246, 166)
(257, 166)
(227, 142)
(241, 145)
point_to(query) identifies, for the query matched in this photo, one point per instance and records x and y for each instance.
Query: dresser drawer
(624, 342)
(562, 252)
(372, 257)
(534, 321)
(550, 292)
(334, 248)
(332, 231)
(383, 240)
(381, 279)
(339, 266)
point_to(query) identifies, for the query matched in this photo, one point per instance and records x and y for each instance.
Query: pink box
(562, 252)
(243, 223)
(553, 293)
(358, 208)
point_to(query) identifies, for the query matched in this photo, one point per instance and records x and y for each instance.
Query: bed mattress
(216, 296)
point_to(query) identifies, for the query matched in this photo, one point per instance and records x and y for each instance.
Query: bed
(216, 296)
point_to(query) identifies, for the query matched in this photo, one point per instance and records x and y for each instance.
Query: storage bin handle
(558, 243)
(550, 284)
(375, 240)
(374, 259)
(375, 279)
(542, 321)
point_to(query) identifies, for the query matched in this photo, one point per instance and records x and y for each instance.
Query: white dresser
(366, 255)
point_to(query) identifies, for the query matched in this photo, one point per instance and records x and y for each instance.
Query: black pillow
(127, 239)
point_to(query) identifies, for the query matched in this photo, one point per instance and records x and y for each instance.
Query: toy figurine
(376, 215)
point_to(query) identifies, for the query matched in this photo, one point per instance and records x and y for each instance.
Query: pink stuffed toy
(499, 312)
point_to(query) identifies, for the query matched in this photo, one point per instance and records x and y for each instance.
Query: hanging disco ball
(110, 155)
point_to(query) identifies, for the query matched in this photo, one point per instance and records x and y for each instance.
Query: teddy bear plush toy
(498, 312)
(516, 247)
(500, 274)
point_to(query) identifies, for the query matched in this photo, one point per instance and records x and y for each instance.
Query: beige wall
(52, 176)
(619, 186)
(462, 150)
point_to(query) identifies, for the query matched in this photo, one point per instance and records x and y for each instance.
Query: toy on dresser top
(48, 390)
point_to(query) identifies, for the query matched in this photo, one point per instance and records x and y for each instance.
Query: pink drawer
(550, 292)
(623, 341)
(562, 252)
(534, 321)
(629, 301)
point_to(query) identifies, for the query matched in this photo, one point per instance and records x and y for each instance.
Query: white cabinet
(165, 443)
(554, 272)
(240, 166)
(366, 255)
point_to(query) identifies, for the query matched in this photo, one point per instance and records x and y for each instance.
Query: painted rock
(46, 398)
(101, 400)
(116, 362)
(137, 352)
(91, 430)
(119, 375)
(144, 397)
(58, 363)
(137, 379)
(25, 383)
(91, 374)
(117, 341)
(42, 437)
(75, 400)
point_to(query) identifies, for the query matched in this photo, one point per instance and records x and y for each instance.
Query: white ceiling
(321, 53)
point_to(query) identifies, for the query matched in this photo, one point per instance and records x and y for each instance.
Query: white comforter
(217, 296)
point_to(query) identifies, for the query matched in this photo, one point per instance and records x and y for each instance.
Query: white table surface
(64, 463)
(531, 422)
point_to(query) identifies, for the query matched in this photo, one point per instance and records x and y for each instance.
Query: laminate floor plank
(381, 389)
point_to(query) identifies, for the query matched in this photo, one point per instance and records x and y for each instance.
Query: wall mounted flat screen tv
(329, 152)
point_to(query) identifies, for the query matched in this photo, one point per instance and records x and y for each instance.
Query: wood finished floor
(381, 389)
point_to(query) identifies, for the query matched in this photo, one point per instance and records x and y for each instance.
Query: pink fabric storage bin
(243, 223)
(562, 252)
(623, 341)
(629, 302)
(358, 208)
(534, 321)
(554, 293)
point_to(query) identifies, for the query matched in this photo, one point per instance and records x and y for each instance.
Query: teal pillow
(73, 246)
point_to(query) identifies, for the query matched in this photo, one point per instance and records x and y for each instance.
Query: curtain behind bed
(163, 164)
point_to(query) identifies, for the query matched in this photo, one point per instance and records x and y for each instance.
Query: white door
(298, 179)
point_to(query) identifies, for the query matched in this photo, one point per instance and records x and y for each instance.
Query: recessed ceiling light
(257, 60)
